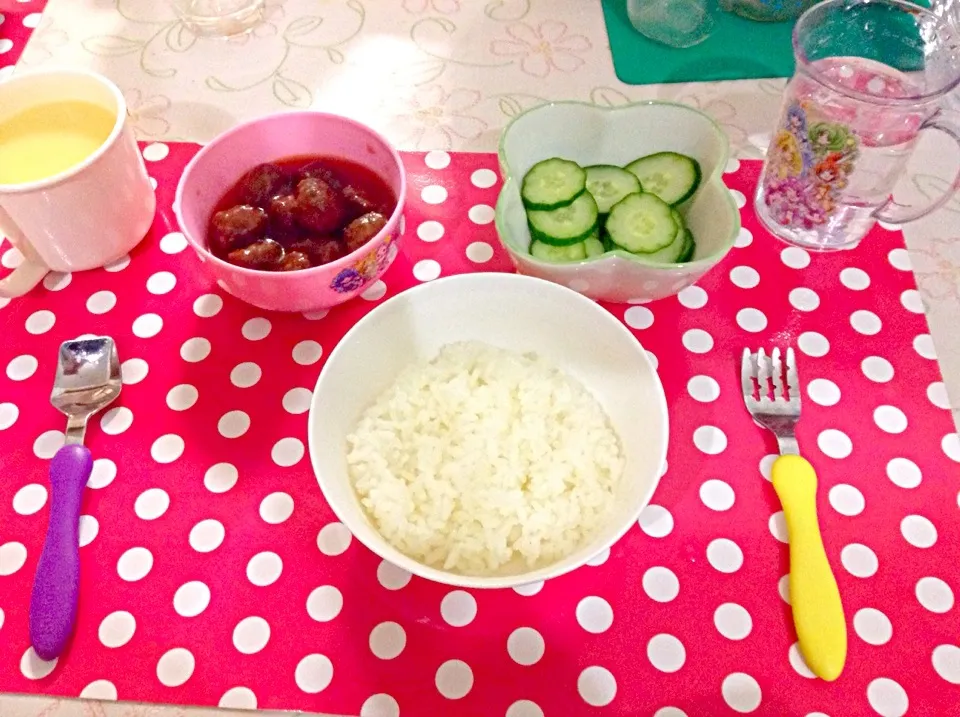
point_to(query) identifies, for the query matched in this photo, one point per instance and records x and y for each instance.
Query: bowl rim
(391, 554)
(343, 262)
(703, 263)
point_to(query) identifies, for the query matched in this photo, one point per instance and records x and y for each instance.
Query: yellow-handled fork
(814, 596)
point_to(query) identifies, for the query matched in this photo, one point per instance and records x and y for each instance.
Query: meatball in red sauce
(299, 212)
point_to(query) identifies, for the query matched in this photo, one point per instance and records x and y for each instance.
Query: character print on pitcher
(808, 168)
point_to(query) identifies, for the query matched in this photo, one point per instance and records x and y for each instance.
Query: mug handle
(30, 272)
(894, 213)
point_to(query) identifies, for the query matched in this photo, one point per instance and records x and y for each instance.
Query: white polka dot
(529, 589)
(233, 424)
(32, 20)
(147, 326)
(950, 446)
(698, 341)
(804, 299)
(87, 530)
(297, 400)
(40, 322)
(133, 371)
(522, 708)
(656, 521)
(191, 599)
(597, 686)
(47, 444)
(12, 258)
(859, 560)
(245, 375)
(175, 667)
(426, 270)
(912, 301)
(334, 539)
(207, 305)
(710, 440)
(251, 635)
(433, 194)
(904, 473)
(744, 238)
(693, 297)
(865, 322)
(116, 420)
(276, 508)
(934, 594)
(890, 419)
(479, 252)
(287, 452)
(173, 243)
(653, 360)
(738, 198)
(733, 621)
(437, 159)
(380, 705)
(324, 603)
(100, 690)
(745, 277)
(834, 443)
(823, 391)
(238, 698)
(937, 395)
(724, 555)
(151, 504)
(483, 178)
(167, 449)
(732, 166)
(220, 477)
(12, 557)
(872, 626)
(946, 663)
(813, 344)
(600, 558)
(314, 673)
(103, 473)
(766, 465)
(134, 564)
(29, 499)
(795, 257)
(8, 415)
(264, 569)
(855, 279)
(783, 587)
(118, 264)
(899, 259)
(526, 646)
(375, 291)
(22, 367)
(638, 317)
(716, 495)
(661, 584)
(752, 320)
(195, 349)
(846, 499)
(923, 345)
(161, 283)
(918, 531)
(56, 281)
(887, 697)
(31, 666)
(155, 151)
(481, 214)
(741, 692)
(454, 679)
(256, 329)
(777, 525)
(307, 352)
(387, 640)
(391, 577)
(877, 369)
(458, 608)
(594, 614)
(666, 653)
(207, 535)
(315, 315)
(117, 629)
(430, 231)
(799, 664)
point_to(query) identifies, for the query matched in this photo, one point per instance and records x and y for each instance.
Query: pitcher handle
(893, 213)
(31, 270)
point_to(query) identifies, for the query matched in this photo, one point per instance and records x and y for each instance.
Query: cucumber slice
(593, 246)
(689, 247)
(552, 183)
(609, 184)
(672, 177)
(669, 254)
(642, 223)
(558, 254)
(566, 225)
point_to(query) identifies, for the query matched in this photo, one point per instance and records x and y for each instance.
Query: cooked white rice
(483, 461)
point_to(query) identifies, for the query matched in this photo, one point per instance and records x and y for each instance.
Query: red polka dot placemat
(213, 572)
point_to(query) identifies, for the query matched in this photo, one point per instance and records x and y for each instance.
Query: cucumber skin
(697, 174)
(552, 241)
(533, 207)
(688, 250)
(536, 206)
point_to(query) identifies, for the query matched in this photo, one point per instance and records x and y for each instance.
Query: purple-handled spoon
(88, 379)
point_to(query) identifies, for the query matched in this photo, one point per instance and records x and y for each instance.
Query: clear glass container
(219, 17)
(767, 10)
(677, 23)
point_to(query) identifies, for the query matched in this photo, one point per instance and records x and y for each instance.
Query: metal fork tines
(771, 405)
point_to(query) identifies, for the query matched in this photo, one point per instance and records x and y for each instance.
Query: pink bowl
(221, 163)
